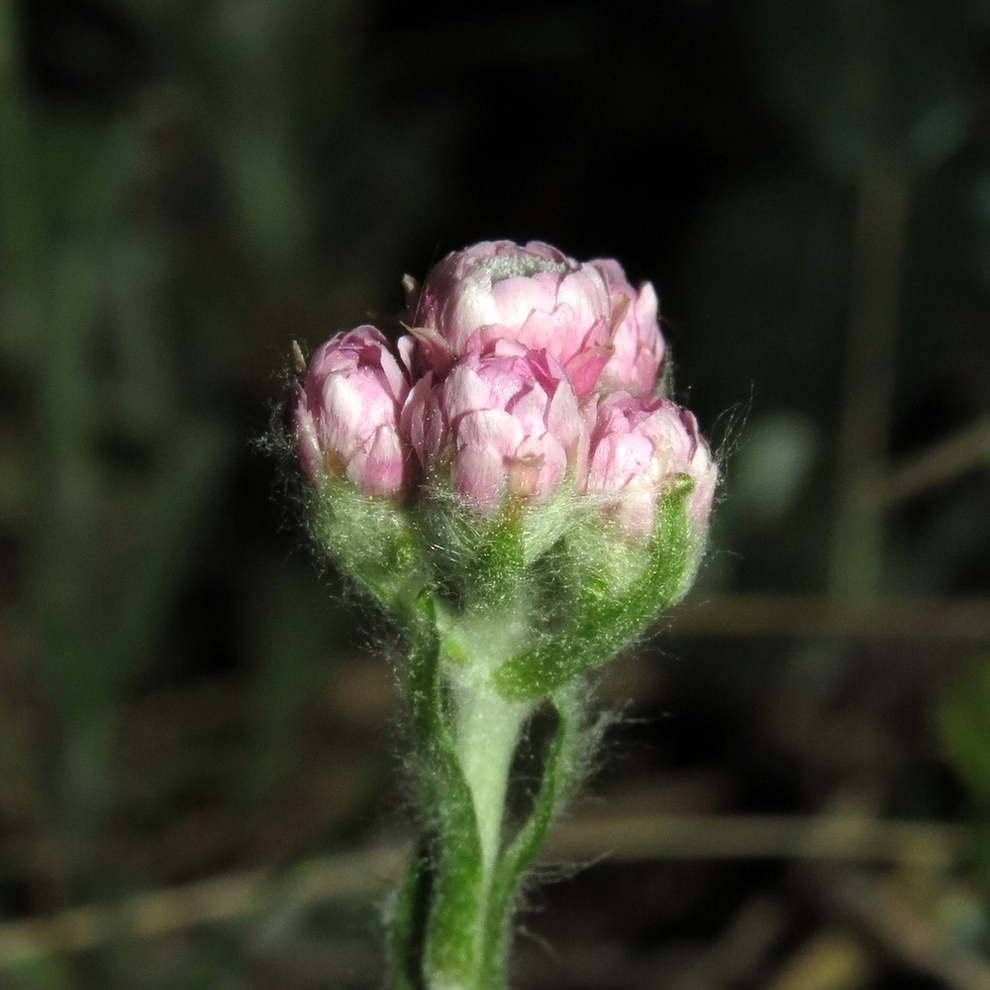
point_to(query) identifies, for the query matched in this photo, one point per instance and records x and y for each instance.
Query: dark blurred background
(186, 186)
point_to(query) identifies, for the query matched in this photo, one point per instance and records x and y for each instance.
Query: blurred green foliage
(867, 81)
(963, 718)
(142, 247)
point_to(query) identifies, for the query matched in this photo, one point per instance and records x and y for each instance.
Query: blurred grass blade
(173, 519)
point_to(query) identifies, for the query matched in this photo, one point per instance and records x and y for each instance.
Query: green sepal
(452, 860)
(477, 562)
(500, 563)
(370, 540)
(602, 622)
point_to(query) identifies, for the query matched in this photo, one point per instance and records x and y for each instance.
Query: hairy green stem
(486, 736)
(480, 666)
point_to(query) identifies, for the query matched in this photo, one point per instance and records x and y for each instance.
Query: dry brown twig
(964, 620)
(370, 872)
(943, 461)
(872, 903)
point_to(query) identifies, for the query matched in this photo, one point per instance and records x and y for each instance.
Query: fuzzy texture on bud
(505, 423)
(347, 414)
(638, 447)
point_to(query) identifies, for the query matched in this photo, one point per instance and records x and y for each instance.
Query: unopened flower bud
(347, 414)
(534, 295)
(635, 338)
(639, 448)
(501, 425)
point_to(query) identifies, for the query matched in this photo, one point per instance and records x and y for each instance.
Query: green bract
(606, 615)
(563, 612)
(369, 539)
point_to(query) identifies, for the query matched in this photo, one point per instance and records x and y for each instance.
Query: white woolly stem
(487, 733)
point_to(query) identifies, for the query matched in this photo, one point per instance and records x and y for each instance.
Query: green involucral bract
(369, 539)
(602, 622)
(479, 562)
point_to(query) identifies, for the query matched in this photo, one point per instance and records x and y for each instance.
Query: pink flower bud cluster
(523, 371)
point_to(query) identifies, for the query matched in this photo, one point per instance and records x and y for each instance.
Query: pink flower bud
(347, 413)
(534, 294)
(638, 447)
(635, 336)
(505, 423)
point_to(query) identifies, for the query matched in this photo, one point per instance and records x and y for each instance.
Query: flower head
(638, 448)
(601, 330)
(513, 469)
(347, 413)
(534, 295)
(504, 423)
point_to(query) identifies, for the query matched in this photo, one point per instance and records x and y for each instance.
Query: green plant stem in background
(883, 213)
(23, 232)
